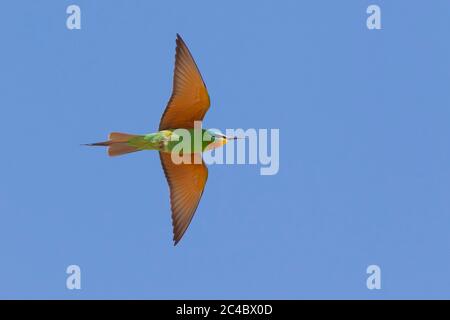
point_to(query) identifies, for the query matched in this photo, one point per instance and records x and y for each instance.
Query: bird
(188, 103)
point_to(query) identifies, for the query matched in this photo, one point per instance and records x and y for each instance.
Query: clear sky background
(364, 150)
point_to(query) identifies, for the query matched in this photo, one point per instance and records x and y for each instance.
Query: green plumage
(175, 139)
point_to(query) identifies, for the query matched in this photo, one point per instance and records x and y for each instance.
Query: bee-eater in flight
(188, 103)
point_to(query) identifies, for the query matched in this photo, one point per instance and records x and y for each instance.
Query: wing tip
(177, 235)
(179, 38)
(176, 239)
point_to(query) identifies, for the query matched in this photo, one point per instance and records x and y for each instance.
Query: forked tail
(118, 144)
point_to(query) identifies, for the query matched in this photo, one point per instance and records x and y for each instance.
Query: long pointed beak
(233, 138)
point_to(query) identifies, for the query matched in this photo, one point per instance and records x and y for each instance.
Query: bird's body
(163, 141)
(188, 104)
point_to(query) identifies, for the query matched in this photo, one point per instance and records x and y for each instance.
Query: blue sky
(364, 150)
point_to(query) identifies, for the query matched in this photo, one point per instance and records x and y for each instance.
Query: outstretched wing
(190, 100)
(186, 183)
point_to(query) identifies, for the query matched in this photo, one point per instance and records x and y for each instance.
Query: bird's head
(216, 139)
